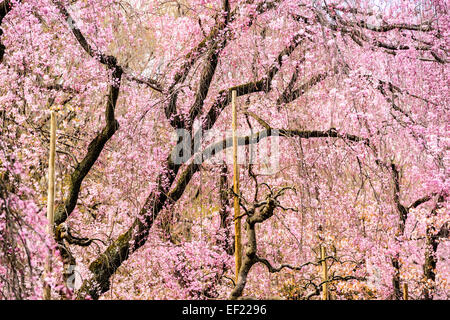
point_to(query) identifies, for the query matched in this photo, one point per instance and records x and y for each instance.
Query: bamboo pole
(237, 221)
(405, 291)
(50, 196)
(324, 273)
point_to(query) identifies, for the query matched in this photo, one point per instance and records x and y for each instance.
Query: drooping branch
(425, 26)
(317, 287)
(334, 278)
(272, 269)
(355, 29)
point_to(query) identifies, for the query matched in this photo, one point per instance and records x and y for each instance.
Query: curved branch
(108, 60)
(94, 149)
(283, 266)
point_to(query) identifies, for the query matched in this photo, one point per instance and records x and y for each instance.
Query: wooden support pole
(50, 196)
(405, 291)
(324, 273)
(237, 221)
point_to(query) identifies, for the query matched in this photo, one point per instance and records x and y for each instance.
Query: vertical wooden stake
(237, 221)
(405, 291)
(324, 273)
(50, 196)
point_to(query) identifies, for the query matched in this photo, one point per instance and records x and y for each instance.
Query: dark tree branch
(63, 233)
(216, 42)
(5, 7)
(94, 149)
(262, 85)
(403, 211)
(291, 95)
(420, 201)
(355, 31)
(108, 60)
(432, 243)
(212, 59)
